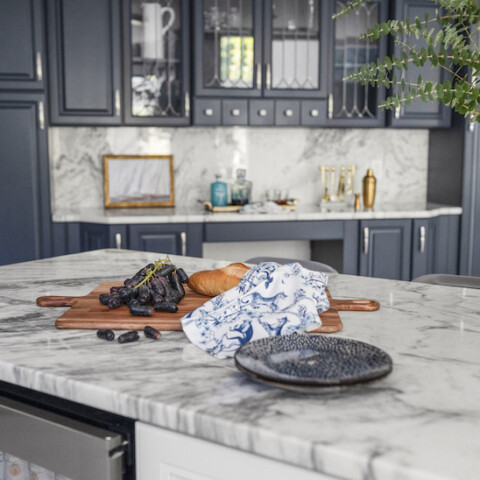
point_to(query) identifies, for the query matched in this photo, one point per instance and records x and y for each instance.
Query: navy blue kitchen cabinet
(96, 236)
(419, 114)
(24, 193)
(260, 63)
(172, 238)
(435, 245)
(349, 103)
(385, 247)
(156, 62)
(22, 58)
(84, 44)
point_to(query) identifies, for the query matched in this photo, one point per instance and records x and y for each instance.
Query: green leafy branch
(449, 45)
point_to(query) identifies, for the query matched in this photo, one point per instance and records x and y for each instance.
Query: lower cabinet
(385, 248)
(166, 455)
(406, 249)
(96, 236)
(171, 238)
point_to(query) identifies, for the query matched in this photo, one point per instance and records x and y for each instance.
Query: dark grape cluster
(157, 286)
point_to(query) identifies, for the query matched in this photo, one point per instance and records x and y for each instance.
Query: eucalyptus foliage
(450, 38)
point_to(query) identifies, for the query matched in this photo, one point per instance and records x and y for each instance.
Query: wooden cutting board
(88, 313)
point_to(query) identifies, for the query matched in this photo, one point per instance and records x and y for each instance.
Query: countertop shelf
(421, 421)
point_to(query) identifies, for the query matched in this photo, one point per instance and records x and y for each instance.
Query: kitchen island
(419, 422)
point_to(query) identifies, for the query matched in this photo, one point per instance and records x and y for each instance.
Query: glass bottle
(218, 192)
(241, 189)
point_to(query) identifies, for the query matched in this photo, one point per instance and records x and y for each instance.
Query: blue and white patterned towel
(271, 299)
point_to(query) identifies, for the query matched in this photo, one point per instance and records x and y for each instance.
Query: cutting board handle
(359, 305)
(56, 301)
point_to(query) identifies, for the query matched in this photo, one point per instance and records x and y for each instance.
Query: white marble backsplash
(274, 159)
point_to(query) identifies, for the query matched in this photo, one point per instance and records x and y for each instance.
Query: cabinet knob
(208, 112)
(288, 112)
(262, 112)
(235, 112)
(314, 112)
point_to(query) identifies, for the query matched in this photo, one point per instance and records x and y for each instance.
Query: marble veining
(419, 422)
(281, 158)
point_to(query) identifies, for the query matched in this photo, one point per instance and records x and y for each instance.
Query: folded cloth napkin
(266, 207)
(271, 299)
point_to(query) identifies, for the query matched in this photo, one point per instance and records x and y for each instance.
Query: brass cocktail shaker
(368, 184)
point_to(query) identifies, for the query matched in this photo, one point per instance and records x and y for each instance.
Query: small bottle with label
(218, 192)
(241, 188)
(368, 185)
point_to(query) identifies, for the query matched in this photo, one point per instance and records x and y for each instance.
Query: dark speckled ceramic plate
(313, 361)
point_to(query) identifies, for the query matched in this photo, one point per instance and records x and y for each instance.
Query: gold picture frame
(138, 181)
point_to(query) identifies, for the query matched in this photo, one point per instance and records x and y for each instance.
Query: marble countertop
(420, 422)
(197, 214)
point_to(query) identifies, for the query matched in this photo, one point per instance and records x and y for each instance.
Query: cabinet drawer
(262, 112)
(314, 112)
(287, 112)
(207, 112)
(234, 112)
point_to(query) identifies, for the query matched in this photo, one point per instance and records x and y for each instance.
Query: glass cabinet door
(156, 66)
(294, 41)
(350, 102)
(227, 48)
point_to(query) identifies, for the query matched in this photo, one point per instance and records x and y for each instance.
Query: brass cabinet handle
(422, 239)
(208, 112)
(235, 112)
(288, 112)
(268, 77)
(183, 239)
(41, 115)
(314, 112)
(262, 112)
(39, 67)
(117, 102)
(259, 76)
(187, 104)
(398, 112)
(330, 106)
(118, 240)
(366, 235)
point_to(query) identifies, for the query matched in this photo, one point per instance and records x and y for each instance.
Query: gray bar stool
(309, 264)
(448, 280)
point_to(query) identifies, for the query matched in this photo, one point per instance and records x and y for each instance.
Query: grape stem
(152, 271)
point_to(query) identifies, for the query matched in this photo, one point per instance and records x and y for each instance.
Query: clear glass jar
(241, 189)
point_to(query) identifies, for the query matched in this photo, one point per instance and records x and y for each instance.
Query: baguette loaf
(215, 282)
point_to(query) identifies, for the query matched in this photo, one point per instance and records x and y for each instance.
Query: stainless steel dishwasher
(38, 443)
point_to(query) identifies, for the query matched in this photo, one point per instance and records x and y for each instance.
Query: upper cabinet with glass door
(156, 62)
(349, 103)
(295, 37)
(227, 48)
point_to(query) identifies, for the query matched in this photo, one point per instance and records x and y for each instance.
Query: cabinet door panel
(385, 249)
(287, 112)
(166, 239)
(295, 37)
(419, 113)
(85, 61)
(227, 48)
(97, 236)
(21, 44)
(261, 112)
(24, 194)
(352, 104)
(156, 62)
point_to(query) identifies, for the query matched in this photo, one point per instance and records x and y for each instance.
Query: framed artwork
(139, 181)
